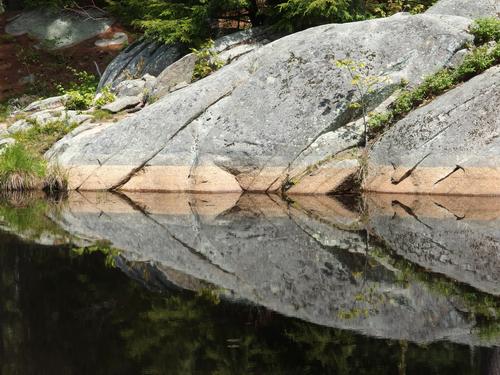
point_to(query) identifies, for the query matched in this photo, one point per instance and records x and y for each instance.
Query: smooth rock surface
(59, 29)
(228, 48)
(449, 146)
(243, 127)
(467, 8)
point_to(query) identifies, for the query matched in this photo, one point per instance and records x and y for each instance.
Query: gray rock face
(450, 146)
(243, 127)
(59, 29)
(138, 59)
(466, 8)
(306, 260)
(179, 72)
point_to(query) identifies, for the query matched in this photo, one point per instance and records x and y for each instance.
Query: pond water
(208, 284)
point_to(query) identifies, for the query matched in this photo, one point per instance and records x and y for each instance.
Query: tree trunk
(253, 13)
(2, 8)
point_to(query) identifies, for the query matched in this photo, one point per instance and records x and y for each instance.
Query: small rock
(74, 117)
(6, 142)
(133, 87)
(117, 40)
(179, 72)
(18, 126)
(49, 103)
(457, 59)
(123, 103)
(149, 82)
(58, 28)
(179, 86)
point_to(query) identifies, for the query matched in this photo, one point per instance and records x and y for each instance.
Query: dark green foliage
(47, 3)
(189, 22)
(192, 22)
(486, 30)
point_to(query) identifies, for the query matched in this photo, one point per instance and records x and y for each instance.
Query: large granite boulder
(466, 8)
(249, 125)
(57, 29)
(449, 146)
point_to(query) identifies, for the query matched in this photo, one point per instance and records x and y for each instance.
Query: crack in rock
(408, 172)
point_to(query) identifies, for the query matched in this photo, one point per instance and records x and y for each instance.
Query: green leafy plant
(207, 61)
(365, 85)
(104, 97)
(81, 92)
(486, 30)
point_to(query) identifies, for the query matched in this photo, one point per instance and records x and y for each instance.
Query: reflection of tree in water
(68, 314)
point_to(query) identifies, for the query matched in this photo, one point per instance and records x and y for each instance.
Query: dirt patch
(25, 69)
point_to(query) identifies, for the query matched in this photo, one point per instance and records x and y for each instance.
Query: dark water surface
(183, 284)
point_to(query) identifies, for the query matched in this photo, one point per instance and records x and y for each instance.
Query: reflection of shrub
(28, 215)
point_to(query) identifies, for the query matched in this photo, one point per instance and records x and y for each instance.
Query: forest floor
(27, 70)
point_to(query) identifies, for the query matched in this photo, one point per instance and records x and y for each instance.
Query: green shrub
(78, 100)
(105, 97)
(80, 92)
(486, 30)
(376, 121)
(476, 62)
(207, 60)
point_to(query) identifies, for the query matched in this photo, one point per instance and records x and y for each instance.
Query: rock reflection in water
(307, 257)
(63, 313)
